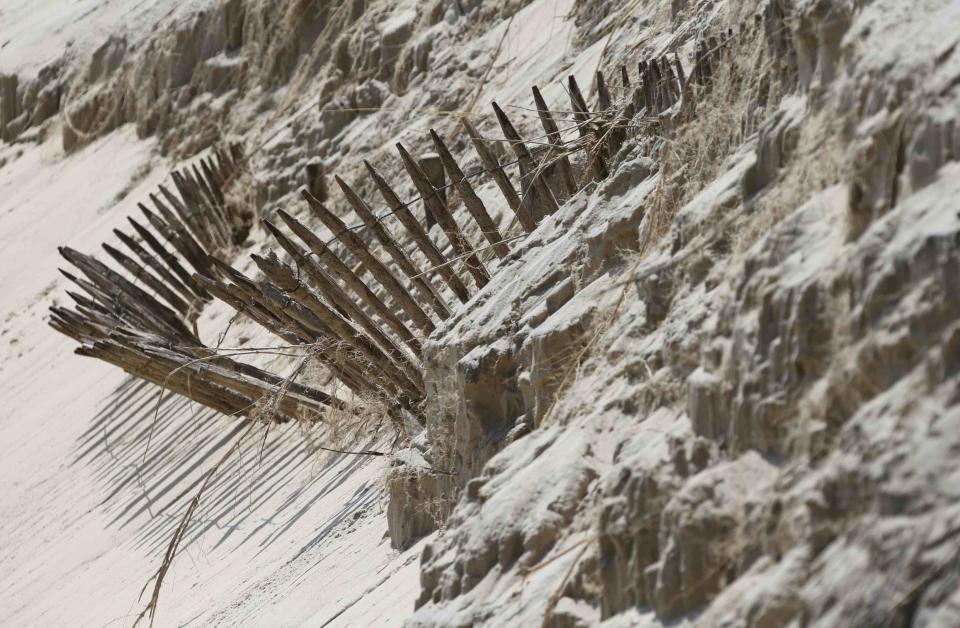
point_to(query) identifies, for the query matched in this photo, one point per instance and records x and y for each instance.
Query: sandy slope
(33, 34)
(85, 517)
(286, 535)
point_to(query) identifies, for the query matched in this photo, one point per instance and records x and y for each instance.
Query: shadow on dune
(257, 497)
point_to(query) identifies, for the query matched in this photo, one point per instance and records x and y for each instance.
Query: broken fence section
(362, 316)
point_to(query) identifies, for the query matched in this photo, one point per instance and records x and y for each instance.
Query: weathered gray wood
(379, 230)
(680, 73)
(219, 382)
(603, 94)
(249, 290)
(169, 259)
(646, 87)
(403, 374)
(214, 202)
(204, 203)
(539, 196)
(553, 135)
(157, 266)
(316, 179)
(656, 80)
(374, 266)
(129, 296)
(195, 204)
(189, 215)
(243, 371)
(670, 82)
(197, 252)
(470, 199)
(595, 161)
(284, 327)
(222, 400)
(714, 52)
(213, 182)
(461, 246)
(420, 237)
(98, 295)
(329, 289)
(492, 166)
(252, 310)
(359, 375)
(432, 167)
(706, 61)
(9, 105)
(140, 273)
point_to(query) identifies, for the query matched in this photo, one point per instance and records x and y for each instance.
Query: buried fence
(362, 315)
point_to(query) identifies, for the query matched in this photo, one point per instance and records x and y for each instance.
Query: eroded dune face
(670, 333)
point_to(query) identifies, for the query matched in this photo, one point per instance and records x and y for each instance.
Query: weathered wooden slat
(646, 87)
(251, 310)
(539, 196)
(197, 251)
(461, 246)
(236, 152)
(280, 301)
(142, 274)
(680, 73)
(492, 166)
(358, 375)
(189, 214)
(613, 117)
(470, 199)
(198, 204)
(715, 51)
(209, 381)
(294, 390)
(69, 324)
(204, 204)
(213, 181)
(656, 80)
(404, 375)
(379, 230)
(624, 77)
(222, 400)
(129, 296)
(376, 367)
(432, 167)
(596, 165)
(200, 185)
(214, 202)
(91, 304)
(603, 94)
(84, 324)
(199, 262)
(374, 266)
(156, 266)
(705, 63)
(670, 81)
(553, 134)
(420, 237)
(329, 289)
(169, 259)
(246, 289)
(98, 295)
(119, 290)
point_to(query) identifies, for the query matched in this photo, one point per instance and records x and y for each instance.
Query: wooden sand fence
(364, 304)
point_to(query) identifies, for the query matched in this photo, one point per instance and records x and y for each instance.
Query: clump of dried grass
(708, 130)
